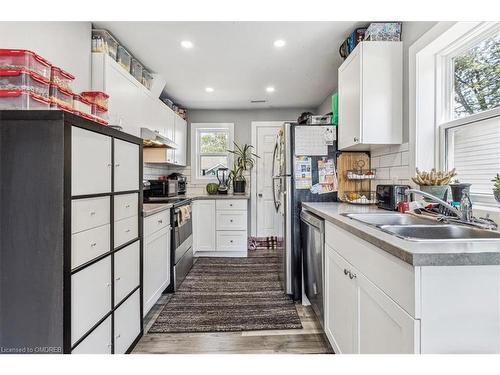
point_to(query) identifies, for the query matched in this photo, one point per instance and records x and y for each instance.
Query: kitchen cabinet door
(90, 297)
(90, 162)
(156, 266)
(350, 100)
(127, 323)
(126, 166)
(204, 225)
(181, 139)
(127, 269)
(98, 342)
(340, 303)
(383, 326)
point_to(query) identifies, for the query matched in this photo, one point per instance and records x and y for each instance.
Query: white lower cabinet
(126, 230)
(126, 271)
(127, 323)
(98, 342)
(220, 227)
(90, 297)
(156, 265)
(361, 318)
(204, 225)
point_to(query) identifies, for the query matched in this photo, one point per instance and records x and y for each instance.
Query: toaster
(389, 196)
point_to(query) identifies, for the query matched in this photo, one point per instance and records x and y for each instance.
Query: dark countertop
(452, 253)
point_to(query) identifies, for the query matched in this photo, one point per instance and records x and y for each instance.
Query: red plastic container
(97, 97)
(82, 105)
(22, 79)
(24, 59)
(61, 96)
(100, 112)
(61, 78)
(22, 100)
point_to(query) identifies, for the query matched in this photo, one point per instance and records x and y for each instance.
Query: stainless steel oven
(182, 241)
(312, 234)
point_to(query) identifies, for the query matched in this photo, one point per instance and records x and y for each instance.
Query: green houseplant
(496, 187)
(244, 161)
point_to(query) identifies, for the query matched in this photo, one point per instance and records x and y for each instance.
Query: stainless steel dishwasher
(312, 233)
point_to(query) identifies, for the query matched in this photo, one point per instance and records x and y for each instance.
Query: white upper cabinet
(180, 137)
(371, 96)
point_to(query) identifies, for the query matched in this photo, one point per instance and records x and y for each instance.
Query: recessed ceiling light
(279, 43)
(270, 89)
(187, 44)
(209, 89)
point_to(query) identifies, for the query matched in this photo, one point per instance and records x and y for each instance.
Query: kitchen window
(469, 107)
(211, 144)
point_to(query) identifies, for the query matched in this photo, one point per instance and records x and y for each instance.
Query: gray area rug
(229, 294)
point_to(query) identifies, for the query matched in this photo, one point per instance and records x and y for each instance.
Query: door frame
(253, 176)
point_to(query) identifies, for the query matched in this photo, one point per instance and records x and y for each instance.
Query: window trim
(195, 152)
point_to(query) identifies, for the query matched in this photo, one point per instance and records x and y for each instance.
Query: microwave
(161, 189)
(389, 196)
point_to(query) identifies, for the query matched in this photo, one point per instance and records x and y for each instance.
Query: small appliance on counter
(389, 196)
(159, 189)
(181, 182)
(223, 177)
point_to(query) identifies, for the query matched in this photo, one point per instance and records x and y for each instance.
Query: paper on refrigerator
(303, 172)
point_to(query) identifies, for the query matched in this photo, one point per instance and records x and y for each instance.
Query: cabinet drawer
(126, 230)
(89, 213)
(156, 222)
(98, 342)
(231, 220)
(232, 240)
(89, 244)
(127, 264)
(90, 297)
(90, 162)
(396, 278)
(231, 204)
(126, 205)
(127, 323)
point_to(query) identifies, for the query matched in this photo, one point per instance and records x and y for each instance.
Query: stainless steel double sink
(413, 228)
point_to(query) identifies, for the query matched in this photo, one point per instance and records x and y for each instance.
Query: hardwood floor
(308, 340)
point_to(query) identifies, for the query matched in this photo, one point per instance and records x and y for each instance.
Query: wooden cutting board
(348, 161)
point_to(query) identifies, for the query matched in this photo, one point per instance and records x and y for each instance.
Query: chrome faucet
(462, 216)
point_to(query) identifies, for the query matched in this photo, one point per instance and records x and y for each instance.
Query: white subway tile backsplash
(383, 174)
(400, 173)
(390, 160)
(405, 158)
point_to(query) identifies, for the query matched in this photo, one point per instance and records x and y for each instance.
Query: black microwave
(160, 189)
(389, 196)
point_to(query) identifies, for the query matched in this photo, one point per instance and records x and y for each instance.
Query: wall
(65, 44)
(326, 106)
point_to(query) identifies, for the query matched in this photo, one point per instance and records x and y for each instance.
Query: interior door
(267, 219)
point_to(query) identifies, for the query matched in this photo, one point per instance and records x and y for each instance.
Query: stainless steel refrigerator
(294, 143)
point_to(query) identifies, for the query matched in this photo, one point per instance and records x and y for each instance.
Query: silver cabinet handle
(117, 164)
(231, 220)
(92, 213)
(346, 271)
(118, 336)
(230, 205)
(128, 230)
(118, 278)
(94, 244)
(352, 275)
(356, 139)
(108, 284)
(127, 206)
(160, 221)
(260, 195)
(231, 241)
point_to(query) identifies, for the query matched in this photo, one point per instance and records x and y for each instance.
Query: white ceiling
(239, 61)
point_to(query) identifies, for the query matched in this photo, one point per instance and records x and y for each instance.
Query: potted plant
(244, 161)
(434, 182)
(496, 187)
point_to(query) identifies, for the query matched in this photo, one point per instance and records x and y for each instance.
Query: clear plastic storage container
(100, 112)
(61, 78)
(124, 58)
(21, 79)
(20, 99)
(24, 59)
(103, 41)
(96, 97)
(61, 96)
(82, 105)
(136, 69)
(147, 79)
